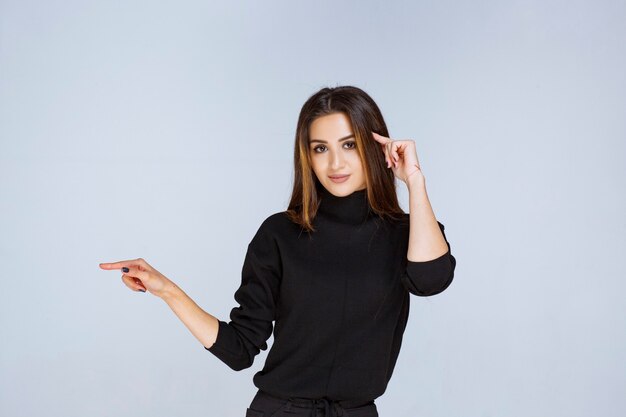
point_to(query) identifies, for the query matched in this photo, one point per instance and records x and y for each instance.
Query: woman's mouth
(339, 178)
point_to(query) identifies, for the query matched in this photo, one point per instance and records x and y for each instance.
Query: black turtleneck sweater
(339, 298)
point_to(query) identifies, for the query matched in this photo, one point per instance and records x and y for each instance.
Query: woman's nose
(337, 160)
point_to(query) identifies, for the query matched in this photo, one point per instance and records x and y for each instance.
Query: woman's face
(333, 154)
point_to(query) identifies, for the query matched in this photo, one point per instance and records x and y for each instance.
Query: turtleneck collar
(351, 209)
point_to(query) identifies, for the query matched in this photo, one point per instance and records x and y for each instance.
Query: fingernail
(124, 269)
(142, 290)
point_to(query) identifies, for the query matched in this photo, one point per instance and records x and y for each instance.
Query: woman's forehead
(332, 127)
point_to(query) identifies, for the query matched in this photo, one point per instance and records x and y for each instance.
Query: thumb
(136, 272)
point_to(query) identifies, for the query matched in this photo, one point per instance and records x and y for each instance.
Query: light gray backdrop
(165, 129)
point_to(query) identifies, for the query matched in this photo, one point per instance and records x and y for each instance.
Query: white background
(165, 130)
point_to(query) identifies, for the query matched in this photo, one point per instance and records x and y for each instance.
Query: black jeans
(266, 405)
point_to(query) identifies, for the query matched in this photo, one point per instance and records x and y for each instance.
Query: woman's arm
(237, 342)
(139, 275)
(200, 323)
(426, 241)
(430, 264)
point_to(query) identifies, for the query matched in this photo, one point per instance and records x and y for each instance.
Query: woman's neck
(352, 209)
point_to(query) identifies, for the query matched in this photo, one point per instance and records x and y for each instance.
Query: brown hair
(365, 117)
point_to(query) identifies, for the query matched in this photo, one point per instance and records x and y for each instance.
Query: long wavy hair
(365, 117)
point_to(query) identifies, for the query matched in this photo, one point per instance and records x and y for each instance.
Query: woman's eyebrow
(338, 140)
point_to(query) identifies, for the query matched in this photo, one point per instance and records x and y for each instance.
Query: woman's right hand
(140, 276)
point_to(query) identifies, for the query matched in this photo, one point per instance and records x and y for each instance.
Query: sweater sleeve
(250, 326)
(430, 277)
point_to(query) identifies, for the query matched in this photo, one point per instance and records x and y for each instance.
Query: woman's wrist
(170, 291)
(415, 179)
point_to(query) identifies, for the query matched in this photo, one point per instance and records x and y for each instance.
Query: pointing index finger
(116, 265)
(380, 138)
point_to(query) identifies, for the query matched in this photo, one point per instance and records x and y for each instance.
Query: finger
(395, 149)
(390, 146)
(387, 159)
(121, 264)
(137, 272)
(384, 141)
(139, 284)
(117, 265)
(380, 138)
(383, 148)
(132, 283)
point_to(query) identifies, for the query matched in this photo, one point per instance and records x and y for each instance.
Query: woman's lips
(339, 179)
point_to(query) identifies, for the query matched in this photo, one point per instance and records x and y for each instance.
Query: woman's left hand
(401, 157)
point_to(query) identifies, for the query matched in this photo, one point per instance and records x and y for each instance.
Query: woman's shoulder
(278, 223)
(279, 218)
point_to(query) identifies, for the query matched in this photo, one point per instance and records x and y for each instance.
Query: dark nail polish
(124, 269)
(142, 290)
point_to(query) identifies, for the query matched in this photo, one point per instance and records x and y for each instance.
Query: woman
(333, 272)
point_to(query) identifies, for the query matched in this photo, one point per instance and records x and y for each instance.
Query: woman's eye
(320, 148)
